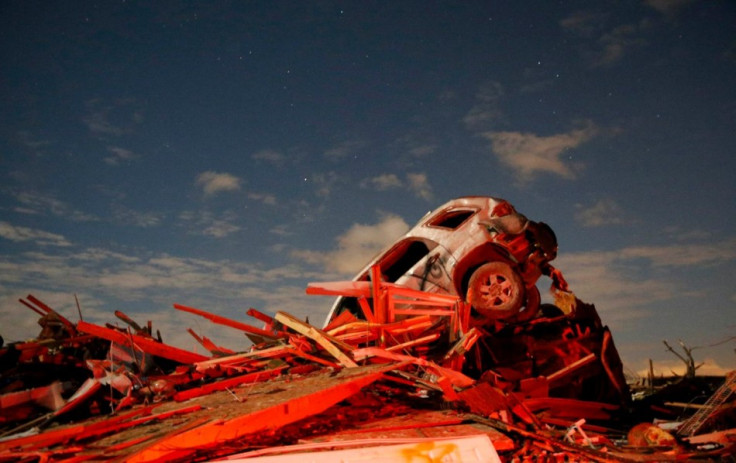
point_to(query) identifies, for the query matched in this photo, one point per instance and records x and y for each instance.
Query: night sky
(224, 154)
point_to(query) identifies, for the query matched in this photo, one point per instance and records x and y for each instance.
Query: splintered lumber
(340, 288)
(464, 344)
(260, 316)
(319, 336)
(380, 309)
(228, 383)
(390, 300)
(414, 342)
(65, 434)
(145, 344)
(233, 419)
(246, 358)
(456, 378)
(49, 310)
(570, 408)
(569, 369)
(366, 309)
(344, 318)
(209, 345)
(227, 322)
(47, 396)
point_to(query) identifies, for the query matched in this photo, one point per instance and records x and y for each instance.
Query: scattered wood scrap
(413, 374)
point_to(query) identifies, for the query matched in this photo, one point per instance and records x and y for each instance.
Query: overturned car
(479, 248)
(486, 254)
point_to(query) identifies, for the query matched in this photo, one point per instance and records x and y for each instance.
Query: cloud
(623, 283)
(584, 23)
(128, 216)
(382, 182)
(416, 183)
(419, 185)
(668, 7)
(324, 182)
(39, 237)
(529, 154)
(344, 149)
(35, 145)
(268, 199)
(417, 144)
(604, 212)
(220, 229)
(39, 204)
(119, 155)
(681, 255)
(207, 224)
(146, 286)
(215, 182)
(604, 45)
(422, 150)
(486, 110)
(357, 246)
(269, 156)
(116, 119)
(616, 43)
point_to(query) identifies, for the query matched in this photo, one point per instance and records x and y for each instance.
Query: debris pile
(398, 372)
(408, 375)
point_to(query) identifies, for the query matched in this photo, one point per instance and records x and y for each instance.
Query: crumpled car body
(477, 247)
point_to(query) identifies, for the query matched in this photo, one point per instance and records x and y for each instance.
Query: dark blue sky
(224, 154)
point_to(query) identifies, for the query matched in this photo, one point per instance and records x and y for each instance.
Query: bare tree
(687, 358)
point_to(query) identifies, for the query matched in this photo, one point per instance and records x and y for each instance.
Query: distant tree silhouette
(687, 358)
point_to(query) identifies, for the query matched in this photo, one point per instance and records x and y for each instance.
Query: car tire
(495, 290)
(531, 306)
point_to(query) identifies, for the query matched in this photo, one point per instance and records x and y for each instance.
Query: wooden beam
(320, 337)
(229, 382)
(227, 322)
(145, 344)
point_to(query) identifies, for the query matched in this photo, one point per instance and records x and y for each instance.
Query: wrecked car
(476, 247)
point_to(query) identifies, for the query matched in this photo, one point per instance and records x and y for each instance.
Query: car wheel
(495, 290)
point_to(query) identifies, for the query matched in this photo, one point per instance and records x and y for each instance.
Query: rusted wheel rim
(496, 290)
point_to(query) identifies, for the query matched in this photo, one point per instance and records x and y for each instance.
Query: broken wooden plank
(340, 288)
(313, 396)
(456, 378)
(571, 368)
(365, 307)
(228, 383)
(209, 345)
(243, 359)
(414, 342)
(344, 318)
(145, 344)
(320, 337)
(62, 435)
(220, 320)
(380, 308)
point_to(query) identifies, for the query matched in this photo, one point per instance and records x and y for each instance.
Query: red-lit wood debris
(415, 378)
